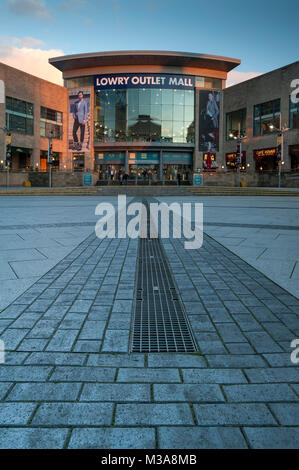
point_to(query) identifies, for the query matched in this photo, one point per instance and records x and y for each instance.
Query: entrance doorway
(144, 173)
(105, 172)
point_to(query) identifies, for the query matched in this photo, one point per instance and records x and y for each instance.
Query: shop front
(109, 165)
(294, 154)
(144, 166)
(44, 160)
(265, 159)
(20, 158)
(177, 164)
(78, 161)
(209, 161)
(232, 163)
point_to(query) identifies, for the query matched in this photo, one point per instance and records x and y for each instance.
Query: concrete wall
(229, 178)
(14, 178)
(59, 179)
(219, 178)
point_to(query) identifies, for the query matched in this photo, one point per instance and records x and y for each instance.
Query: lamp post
(239, 137)
(5, 154)
(280, 142)
(50, 161)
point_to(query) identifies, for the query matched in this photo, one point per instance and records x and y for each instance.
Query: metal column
(161, 166)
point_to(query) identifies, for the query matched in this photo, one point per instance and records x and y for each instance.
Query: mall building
(260, 107)
(151, 114)
(145, 110)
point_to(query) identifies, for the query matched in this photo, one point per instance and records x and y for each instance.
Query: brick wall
(40, 92)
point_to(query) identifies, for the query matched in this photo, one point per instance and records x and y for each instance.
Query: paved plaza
(69, 380)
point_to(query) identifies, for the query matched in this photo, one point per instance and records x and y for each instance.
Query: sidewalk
(69, 380)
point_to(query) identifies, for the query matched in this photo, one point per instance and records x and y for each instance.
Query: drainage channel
(160, 323)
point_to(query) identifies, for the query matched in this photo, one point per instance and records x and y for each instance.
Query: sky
(263, 34)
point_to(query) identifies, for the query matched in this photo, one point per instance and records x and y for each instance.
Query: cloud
(28, 42)
(235, 77)
(36, 8)
(33, 61)
(70, 5)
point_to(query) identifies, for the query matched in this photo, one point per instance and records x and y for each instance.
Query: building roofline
(262, 75)
(144, 57)
(31, 75)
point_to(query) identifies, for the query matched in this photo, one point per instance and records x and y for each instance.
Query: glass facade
(233, 120)
(50, 123)
(266, 115)
(19, 116)
(150, 115)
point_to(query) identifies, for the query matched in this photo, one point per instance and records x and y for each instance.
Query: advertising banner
(209, 109)
(79, 120)
(143, 80)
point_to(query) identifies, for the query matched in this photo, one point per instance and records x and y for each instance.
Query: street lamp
(5, 155)
(50, 153)
(239, 138)
(280, 139)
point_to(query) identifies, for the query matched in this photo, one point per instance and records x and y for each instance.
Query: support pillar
(127, 162)
(161, 166)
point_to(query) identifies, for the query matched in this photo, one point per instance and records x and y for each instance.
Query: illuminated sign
(143, 80)
(265, 153)
(231, 159)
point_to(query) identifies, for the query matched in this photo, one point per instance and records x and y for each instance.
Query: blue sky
(263, 34)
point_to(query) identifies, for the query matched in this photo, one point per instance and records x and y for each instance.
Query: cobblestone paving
(69, 381)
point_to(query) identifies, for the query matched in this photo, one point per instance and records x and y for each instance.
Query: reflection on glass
(178, 113)
(144, 115)
(167, 96)
(179, 97)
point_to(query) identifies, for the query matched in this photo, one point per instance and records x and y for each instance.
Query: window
(50, 123)
(78, 82)
(266, 115)
(233, 120)
(78, 161)
(210, 83)
(19, 116)
(144, 114)
(294, 115)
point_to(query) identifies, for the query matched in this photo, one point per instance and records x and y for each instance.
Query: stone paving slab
(70, 381)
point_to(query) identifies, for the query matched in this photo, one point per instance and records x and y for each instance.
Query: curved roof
(163, 58)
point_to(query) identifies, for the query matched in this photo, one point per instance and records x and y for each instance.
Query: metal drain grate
(160, 323)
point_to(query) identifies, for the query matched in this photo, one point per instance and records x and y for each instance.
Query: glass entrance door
(144, 173)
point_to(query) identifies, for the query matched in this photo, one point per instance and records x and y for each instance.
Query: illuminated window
(266, 115)
(150, 115)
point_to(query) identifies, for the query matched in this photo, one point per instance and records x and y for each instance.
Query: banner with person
(79, 120)
(209, 114)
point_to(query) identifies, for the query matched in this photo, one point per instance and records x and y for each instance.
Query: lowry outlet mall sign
(143, 80)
